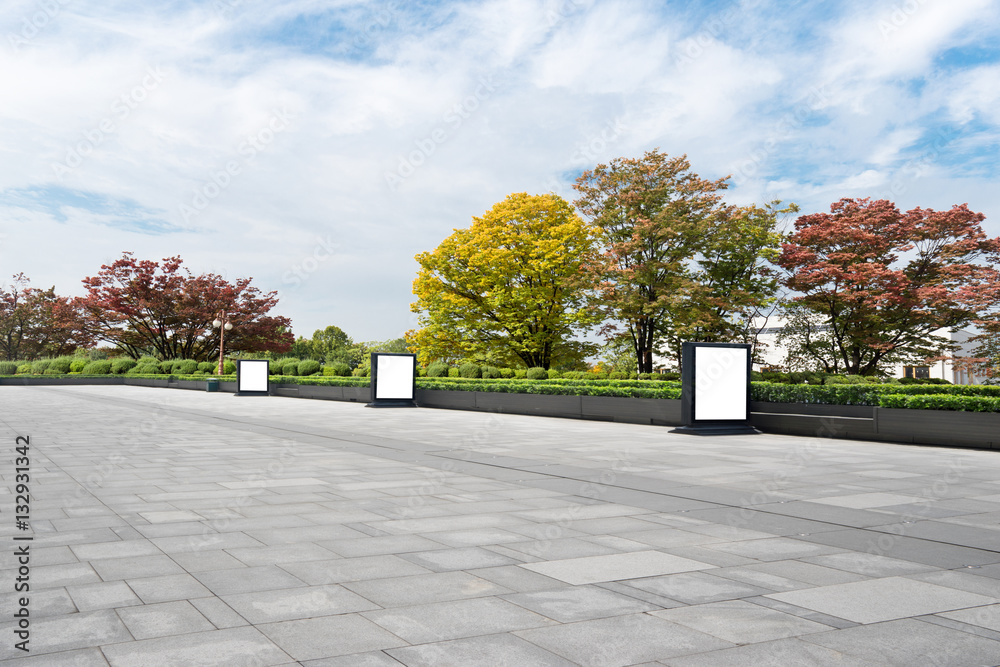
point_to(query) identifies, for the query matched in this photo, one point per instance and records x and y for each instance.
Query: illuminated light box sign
(252, 377)
(394, 380)
(715, 389)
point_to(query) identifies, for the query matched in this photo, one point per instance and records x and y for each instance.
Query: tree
(736, 282)
(882, 281)
(36, 322)
(332, 344)
(655, 215)
(509, 285)
(144, 306)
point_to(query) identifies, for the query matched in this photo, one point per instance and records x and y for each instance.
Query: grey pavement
(175, 527)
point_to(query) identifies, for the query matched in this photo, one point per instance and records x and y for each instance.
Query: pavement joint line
(384, 448)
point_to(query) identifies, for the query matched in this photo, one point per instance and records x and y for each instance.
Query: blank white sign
(720, 383)
(252, 375)
(394, 377)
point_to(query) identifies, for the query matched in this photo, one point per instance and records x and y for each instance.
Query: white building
(775, 355)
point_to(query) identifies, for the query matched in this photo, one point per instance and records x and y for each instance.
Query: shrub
(8, 368)
(288, 366)
(438, 369)
(617, 375)
(337, 369)
(201, 373)
(207, 367)
(669, 376)
(507, 373)
(453, 372)
(183, 367)
(24, 368)
(40, 366)
(470, 370)
(52, 371)
(940, 402)
(491, 372)
(123, 365)
(308, 367)
(77, 365)
(597, 375)
(520, 373)
(537, 373)
(61, 364)
(554, 374)
(574, 375)
(168, 365)
(361, 372)
(228, 367)
(102, 367)
(645, 376)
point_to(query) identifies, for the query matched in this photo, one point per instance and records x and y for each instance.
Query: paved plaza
(185, 528)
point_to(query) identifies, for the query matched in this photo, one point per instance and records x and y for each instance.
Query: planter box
(451, 400)
(940, 427)
(529, 404)
(42, 380)
(320, 392)
(662, 412)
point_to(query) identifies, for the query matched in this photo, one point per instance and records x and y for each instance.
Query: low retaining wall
(921, 427)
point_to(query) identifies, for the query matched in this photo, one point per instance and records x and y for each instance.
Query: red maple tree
(145, 306)
(36, 322)
(883, 281)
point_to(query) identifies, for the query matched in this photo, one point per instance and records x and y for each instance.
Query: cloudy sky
(318, 145)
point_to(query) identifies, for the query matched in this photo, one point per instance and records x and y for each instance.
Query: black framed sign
(715, 389)
(252, 377)
(394, 380)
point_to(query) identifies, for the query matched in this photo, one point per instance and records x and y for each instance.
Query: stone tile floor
(180, 528)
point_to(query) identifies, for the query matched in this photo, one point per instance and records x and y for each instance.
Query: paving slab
(886, 599)
(614, 567)
(281, 531)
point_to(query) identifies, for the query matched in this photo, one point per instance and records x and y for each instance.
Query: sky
(318, 145)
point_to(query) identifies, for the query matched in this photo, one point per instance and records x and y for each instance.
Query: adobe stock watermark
(33, 24)
(226, 8)
(782, 130)
(121, 109)
(694, 47)
(221, 178)
(592, 149)
(450, 123)
(898, 17)
(309, 264)
(921, 165)
(381, 18)
(563, 11)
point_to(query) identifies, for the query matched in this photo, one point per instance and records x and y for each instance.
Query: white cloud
(368, 85)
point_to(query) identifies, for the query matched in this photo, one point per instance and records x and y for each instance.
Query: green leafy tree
(332, 344)
(510, 285)
(654, 216)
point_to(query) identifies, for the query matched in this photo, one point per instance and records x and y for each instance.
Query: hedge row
(941, 402)
(859, 394)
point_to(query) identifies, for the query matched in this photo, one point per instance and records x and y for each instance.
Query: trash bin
(212, 384)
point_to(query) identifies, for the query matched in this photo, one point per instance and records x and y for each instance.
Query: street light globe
(229, 326)
(217, 323)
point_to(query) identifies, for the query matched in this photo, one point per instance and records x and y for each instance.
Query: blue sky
(318, 145)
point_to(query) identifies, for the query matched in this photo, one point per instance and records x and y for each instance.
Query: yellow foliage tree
(509, 287)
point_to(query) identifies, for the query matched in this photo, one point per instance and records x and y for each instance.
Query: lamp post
(223, 325)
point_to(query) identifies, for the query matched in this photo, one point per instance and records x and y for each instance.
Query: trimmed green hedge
(859, 394)
(940, 402)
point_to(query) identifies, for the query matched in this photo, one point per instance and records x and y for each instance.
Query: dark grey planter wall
(604, 408)
(940, 427)
(35, 381)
